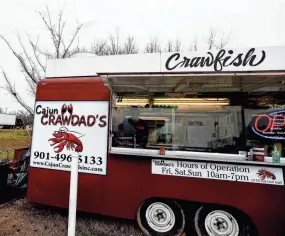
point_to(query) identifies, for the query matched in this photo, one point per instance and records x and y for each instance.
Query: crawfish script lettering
(222, 59)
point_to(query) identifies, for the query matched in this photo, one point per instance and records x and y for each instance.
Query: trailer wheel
(163, 218)
(215, 221)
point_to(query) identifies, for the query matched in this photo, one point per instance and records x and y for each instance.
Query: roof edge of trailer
(252, 60)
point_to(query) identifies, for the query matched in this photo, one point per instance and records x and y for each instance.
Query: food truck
(159, 132)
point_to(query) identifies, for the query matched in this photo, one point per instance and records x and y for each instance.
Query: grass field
(13, 139)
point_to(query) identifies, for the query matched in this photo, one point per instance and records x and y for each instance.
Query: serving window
(233, 116)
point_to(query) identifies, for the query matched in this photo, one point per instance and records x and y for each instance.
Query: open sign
(271, 125)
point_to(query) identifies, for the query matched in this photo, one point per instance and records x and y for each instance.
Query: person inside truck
(134, 125)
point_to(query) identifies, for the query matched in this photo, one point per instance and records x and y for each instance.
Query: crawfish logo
(265, 174)
(63, 138)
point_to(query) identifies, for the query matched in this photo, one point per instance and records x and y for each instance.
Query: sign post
(73, 195)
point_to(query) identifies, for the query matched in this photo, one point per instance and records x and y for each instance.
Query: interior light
(194, 103)
(175, 101)
(191, 101)
(132, 102)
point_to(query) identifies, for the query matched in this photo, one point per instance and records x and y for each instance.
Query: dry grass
(25, 219)
(13, 139)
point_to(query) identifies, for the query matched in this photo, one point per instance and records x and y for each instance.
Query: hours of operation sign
(230, 172)
(63, 129)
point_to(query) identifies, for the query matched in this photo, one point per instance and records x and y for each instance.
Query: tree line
(32, 55)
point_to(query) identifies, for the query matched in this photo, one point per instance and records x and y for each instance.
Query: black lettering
(237, 61)
(195, 62)
(222, 59)
(37, 109)
(218, 60)
(227, 58)
(175, 56)
(213, 166)
(209, 61)
(250, 58)
(186, 62)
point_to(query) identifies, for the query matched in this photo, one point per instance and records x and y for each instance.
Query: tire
(230, 223)
(171, 221)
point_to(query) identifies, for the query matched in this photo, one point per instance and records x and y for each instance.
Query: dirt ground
(26, 219)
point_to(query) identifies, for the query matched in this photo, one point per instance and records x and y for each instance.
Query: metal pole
(173, 128)
(73, 195)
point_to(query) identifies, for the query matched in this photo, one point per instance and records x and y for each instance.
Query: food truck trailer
(159, 132)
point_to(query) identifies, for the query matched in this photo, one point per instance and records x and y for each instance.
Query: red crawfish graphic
(63, 138)
(265, 174)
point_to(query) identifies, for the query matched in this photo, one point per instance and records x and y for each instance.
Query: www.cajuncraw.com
(64, 166)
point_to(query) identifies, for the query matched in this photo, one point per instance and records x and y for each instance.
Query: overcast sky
(250, 23)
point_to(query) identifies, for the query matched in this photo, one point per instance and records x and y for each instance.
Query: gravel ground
(26, 219)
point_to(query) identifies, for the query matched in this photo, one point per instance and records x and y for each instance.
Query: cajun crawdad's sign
(270, 125)
(63, 129)
(218, 171)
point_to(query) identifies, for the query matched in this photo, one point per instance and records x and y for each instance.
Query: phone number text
(92, 160)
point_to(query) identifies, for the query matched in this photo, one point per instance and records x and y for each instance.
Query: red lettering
(274, 124)
(256, 123)
(66, 120)
(74, 120)
(102, 121)
(91, 120)
(82, 121)
(51, 119)
(58, 120)
(42, 119)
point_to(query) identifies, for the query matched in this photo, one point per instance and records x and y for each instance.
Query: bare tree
(194, 45)
(112, 46)
(130, 46)
(175, 46)
(11, 89)
(99, 48)
(152, 46)
(214, 43)
(32, 57)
